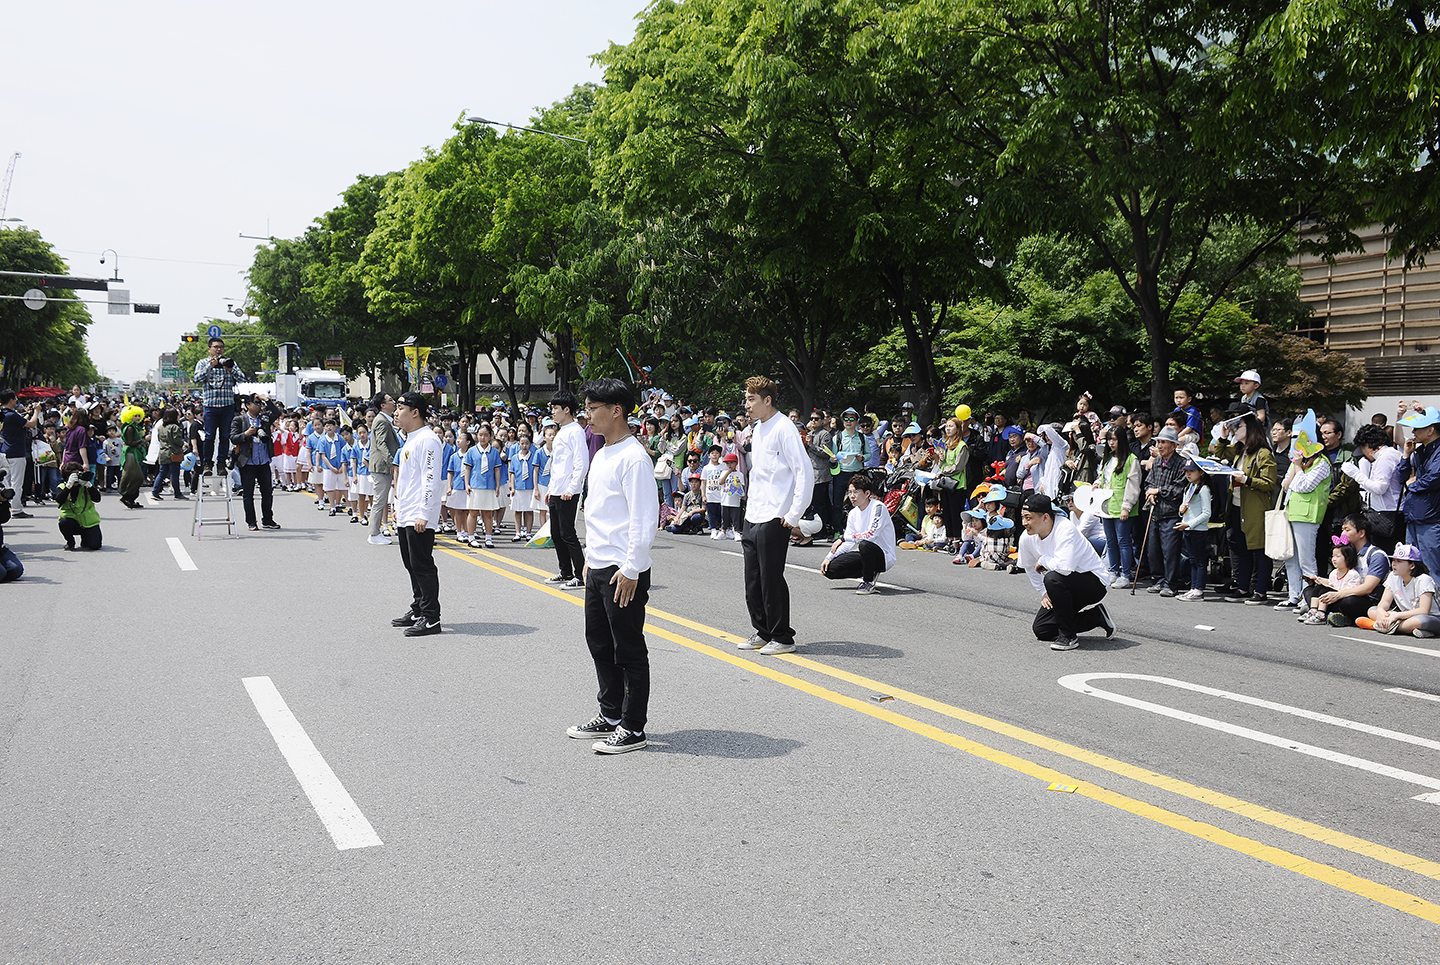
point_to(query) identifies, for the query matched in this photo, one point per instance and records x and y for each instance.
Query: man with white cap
(1421, 469)
(1249, 381)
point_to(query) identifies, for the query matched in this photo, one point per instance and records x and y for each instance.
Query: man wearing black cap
(1067, 573)
(418, 494)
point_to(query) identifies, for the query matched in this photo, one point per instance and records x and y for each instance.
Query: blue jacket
(1422, 497)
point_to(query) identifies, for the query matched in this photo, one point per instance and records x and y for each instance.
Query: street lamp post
(532, 130)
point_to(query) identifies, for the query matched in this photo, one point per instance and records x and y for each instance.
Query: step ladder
(215, 496)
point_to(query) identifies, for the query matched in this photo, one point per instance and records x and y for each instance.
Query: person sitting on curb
(1409, 604)
(1067, 573)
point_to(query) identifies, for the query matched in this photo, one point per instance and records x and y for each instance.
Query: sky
(164, 130)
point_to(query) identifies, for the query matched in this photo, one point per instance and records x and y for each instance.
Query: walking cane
(1136, 575)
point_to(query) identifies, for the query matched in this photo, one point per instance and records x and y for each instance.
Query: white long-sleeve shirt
(570, 461)
(1378, 479)
(782, 481)
(1049, 480)
(419, 487)
(872, 523)
(622, 508)
(1064, 551)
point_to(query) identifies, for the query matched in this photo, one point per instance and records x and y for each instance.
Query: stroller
(902, 498)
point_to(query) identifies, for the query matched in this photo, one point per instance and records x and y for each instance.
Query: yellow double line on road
(1364, 887)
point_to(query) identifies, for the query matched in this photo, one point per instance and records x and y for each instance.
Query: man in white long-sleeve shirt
(1067, 573)
(780, 486)
(419, 491)
(621, 509)
(569, 462)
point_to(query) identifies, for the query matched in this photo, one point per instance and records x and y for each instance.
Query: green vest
(1308, 507)
(1118, 478)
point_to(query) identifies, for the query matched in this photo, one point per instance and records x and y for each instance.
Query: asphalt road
(781, 814)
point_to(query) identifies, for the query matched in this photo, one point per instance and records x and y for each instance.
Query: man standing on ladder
(217, 376)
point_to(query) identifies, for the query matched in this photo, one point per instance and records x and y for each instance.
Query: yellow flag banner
(416, 358)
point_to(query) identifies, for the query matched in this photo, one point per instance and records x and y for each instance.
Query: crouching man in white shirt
(1066, 572)
(621, 510)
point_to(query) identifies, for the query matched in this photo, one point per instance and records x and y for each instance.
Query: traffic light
(189, 338)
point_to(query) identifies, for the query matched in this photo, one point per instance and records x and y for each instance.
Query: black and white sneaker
(620, 742)
(407, 620)
(1061, 643)
(572, 584)
(423, 628)
(1105, 620)
(559, 579)
(599, 727)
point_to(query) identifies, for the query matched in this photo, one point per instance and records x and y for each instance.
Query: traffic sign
(213, 332)
(441, 381)
(34, 299)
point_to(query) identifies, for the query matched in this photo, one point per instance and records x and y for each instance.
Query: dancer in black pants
(620, 512)
(782, 481)
(1067, 573)
(568, 465)
(419, 491)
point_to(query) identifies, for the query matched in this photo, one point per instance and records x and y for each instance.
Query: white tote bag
(1279, 539)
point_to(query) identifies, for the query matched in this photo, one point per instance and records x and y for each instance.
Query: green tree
(1144, 128)
(46, 345)
(775, 131)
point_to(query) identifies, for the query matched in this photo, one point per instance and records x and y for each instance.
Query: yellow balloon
(962, 412)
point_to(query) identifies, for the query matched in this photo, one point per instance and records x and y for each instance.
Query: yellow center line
(1364, 887)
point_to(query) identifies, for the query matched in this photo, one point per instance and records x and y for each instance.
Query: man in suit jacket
(384, 444)
(252, 441)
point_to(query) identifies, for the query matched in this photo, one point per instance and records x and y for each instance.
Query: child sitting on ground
(1343, 576)
(691, 517)
(1409, 603)
(932, 529)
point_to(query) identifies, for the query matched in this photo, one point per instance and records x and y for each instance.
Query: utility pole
(5, 189)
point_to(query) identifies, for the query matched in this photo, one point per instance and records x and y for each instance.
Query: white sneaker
(381, 540)
(717, 534)
(1190, 596)
(754, 643)
(775, 646)
(736, 537)
(1121, 584)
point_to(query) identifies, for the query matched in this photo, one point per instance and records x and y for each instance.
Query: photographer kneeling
(868, 546)
(250, 435)
(77, 497)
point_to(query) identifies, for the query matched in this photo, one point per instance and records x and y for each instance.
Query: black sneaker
(571, 584)
(1065, 643)
(1258, 599)
(599, 727)
(422, 628)
(559, 579)
(620, 742)
(1340, 620)
(407, 620)
(270, 524)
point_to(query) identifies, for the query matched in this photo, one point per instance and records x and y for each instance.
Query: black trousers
(70, 529)
(1163, 549)
(417, 552)
(616, 637)
(1069, 594)
(567, 540)
(1353, 607)
(249, 476)
(766, 592)
(866, 561)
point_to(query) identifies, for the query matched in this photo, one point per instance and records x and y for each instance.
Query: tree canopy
(46, 345)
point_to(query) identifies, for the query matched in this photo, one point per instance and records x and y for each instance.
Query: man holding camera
(15, 431)
(250, 435)
(217, 376)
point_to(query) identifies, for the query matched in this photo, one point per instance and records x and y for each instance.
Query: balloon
(962, 412)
